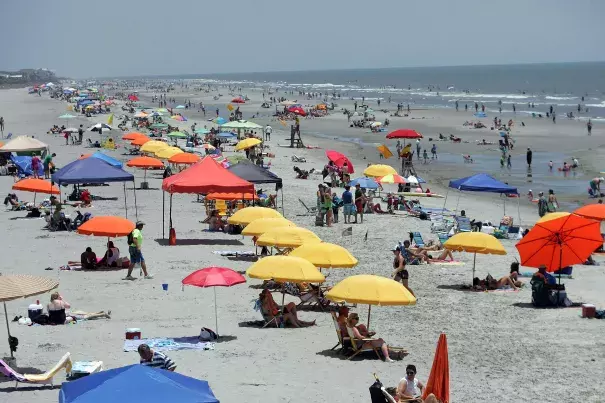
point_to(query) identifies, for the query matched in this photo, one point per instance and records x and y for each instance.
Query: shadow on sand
(195, 242)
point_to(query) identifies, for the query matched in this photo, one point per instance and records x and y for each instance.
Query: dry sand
(500, 348)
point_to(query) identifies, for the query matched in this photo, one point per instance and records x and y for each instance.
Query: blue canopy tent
(481, 183)
(137, 383)
(24, 165)
(94, 171)
(111, 161)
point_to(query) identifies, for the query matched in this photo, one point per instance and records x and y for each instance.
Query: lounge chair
(463, 224)
(418, 239)
(341, 340)
(310, 211)
(296, 158)
(41, 379)
(443, 237)
(360, 349)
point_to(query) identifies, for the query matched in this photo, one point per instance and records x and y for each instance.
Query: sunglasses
(411, 373)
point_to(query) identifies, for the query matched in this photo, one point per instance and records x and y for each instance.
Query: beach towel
(531, 273)
(447, 262)
(166, 344)
(234, 253)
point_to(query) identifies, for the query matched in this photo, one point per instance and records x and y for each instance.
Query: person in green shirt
(135, 242)
(48, 160)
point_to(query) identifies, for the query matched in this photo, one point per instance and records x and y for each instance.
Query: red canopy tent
(206, 176)
(404, 134)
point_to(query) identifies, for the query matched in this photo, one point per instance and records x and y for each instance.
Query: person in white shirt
(268, 131)
(409, 387)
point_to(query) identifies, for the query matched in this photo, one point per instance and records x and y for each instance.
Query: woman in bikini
(401, 274)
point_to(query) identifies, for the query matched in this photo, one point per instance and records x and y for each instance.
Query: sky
(108, 38)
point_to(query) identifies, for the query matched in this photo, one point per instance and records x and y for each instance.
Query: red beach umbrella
(297, 110)
(339, 159)
(439, 379)
(133, 97)
(404, 134)
(214, 277)
(238, 101)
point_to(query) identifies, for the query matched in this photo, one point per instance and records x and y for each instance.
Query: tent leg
(136, 209)
(8, 330)
(125, 204)
(163, 214)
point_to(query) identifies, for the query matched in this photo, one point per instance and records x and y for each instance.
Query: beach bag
(207, 334)
(130, 238)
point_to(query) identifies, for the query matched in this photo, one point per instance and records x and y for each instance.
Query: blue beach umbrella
(481, 114)
(225, 135)
(220, 121)
(366, 183)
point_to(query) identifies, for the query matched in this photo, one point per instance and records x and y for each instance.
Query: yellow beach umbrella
(552, 216)
(379, 170)
(246, 215)
(262, 225)
(372, 290)
(168, 152)
(326, 255)
(475, 242)
(285, 268)
(153, 146)
(287, 237)
(247, 143)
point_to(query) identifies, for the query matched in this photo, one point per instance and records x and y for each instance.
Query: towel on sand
(234, 253)
(166, 344)
(447, 262)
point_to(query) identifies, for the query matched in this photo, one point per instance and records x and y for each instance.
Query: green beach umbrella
(202, 131)
(242, 124)
(177, 135)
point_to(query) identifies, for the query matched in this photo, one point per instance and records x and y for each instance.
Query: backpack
(130, 238)
(207, 334)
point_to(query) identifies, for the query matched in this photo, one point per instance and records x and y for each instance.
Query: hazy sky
(87, 38)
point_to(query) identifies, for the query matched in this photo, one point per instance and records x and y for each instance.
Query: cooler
(588, 311)
(133, 334)
(34, 310)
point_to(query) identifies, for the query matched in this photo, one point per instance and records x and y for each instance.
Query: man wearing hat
(135, 242)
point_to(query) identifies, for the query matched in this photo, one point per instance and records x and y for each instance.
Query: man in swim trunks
(401, 274)
(359, 198)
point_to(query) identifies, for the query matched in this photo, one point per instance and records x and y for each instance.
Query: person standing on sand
(268, 130)
(347, 203)
(589, 127)
(508, 164)
(528, 157)
(425, 155)
(36, 165)
(2, 125)
(434, 151)
(359, 198)
(418, 148)
(135, 242)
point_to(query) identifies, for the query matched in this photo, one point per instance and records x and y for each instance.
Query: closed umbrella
(372, 290)
(379, 170)
(325, 255)
(475, 242)
(214, 277)
(22, 286)
(262, 225)
(439, 378)
(248, 214)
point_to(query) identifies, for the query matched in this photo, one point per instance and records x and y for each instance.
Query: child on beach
(425, 155)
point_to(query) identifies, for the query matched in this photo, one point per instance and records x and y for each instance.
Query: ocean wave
(554, 98)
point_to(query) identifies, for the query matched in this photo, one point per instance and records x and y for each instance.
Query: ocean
(561, 85)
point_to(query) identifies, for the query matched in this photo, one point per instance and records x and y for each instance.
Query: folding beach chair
(296, 158)
(310, 211)
(443, 237)
(341, 340)
(463, 224)
(41, 379)
(418, 239)
(360, 349)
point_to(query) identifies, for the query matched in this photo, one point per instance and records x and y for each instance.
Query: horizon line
(191, 75)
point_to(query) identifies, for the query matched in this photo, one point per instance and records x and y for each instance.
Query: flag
(230, 107)
(110, 119)
(283, 123)
(384, 150)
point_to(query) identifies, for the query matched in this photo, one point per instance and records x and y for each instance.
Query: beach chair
(221, 206)
(418, 239)
(41, 379)
(463, 224)
(341, 340)
(443, 237)
(296, 158)
(360, 349)
(310, 211)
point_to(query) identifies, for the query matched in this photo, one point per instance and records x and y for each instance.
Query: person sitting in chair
(300, 173)
(215, 223)
(352, 325)
(272, 311)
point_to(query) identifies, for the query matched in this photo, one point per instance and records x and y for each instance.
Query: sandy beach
(500, 347)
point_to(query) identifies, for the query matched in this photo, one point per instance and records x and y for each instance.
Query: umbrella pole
(136, 209)
(474, 261)
(125, 204)
(170, 213)
(215, 312)
(163, 214)
(8, 331)
(282, 202)
(35, 193)
(369, 312)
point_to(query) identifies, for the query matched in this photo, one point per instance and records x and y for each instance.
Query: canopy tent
(206, 176)
(154, 385)
(482, 183)
(23, 144)
(104, 157)
(24, 165)
(95, 170)
(257, 175)
(242, 124)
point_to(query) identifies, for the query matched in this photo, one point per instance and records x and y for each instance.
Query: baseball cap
(140, 223)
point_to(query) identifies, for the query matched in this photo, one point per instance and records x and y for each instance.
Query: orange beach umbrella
(439, 379)
(559, 243)
(139, 141)
(594, 211)
(184, 158)
(145, 163)
(132, 136)
(109, 226)
(232, 196)
(36, 186)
